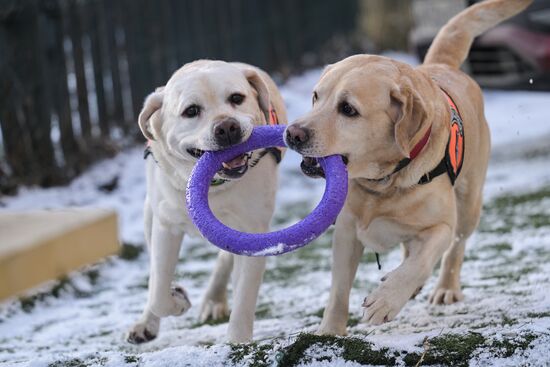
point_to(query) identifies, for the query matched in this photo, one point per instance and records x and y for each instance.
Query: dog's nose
(227, 132)
(296, 136)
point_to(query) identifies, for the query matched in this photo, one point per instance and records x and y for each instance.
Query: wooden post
(60, 241)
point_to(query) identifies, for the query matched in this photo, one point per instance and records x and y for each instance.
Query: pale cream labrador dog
(399, 129)
(207, 105)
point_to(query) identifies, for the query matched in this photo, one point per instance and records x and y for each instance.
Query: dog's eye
(347, 110)
(236, 98)
(191, 111)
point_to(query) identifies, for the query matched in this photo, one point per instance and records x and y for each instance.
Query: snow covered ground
(504, 319)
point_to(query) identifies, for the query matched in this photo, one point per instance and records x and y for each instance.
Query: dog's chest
(382, 234)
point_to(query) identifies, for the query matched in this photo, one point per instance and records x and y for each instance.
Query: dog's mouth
(236, 167)
(232, 169)
(311, 167)
(195, 153)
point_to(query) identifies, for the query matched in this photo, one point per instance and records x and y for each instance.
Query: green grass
(131, 359)
(459, 349)
(506, 213)
(508, 346)
(353, 349)
(507, 201)
(64, 284)
(497, 247)
(130, 252)
(450, 350)
(78, 362)
(299, 209)
(447, 350)
(263, 311)
(538, 315)
(256, 355)
(284, 272)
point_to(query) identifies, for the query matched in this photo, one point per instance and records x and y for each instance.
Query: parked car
(513, 55)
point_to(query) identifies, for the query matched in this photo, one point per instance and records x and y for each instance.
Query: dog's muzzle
(296, 137)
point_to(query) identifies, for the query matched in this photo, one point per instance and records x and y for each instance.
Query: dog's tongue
(235, 162)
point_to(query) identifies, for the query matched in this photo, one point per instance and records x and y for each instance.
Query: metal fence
(74, 73)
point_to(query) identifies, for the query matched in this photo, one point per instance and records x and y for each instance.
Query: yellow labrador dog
(417, 146)
(207, 105)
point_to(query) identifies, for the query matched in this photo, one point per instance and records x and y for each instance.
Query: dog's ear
(259, 85)
(326, 69)
(408, 112)
(149, 121)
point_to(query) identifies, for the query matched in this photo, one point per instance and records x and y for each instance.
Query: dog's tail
(452, 43)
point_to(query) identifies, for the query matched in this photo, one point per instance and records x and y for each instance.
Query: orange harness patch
(455, 146)
(454, 154)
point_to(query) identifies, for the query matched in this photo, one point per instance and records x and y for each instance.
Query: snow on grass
(504, 319)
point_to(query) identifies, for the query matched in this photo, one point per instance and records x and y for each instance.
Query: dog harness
(275, 152)
(454, 154)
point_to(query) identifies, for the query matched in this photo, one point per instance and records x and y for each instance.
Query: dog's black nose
(296, 136)
(227, 132)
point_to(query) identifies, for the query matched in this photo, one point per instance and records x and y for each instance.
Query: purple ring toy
(272, 243)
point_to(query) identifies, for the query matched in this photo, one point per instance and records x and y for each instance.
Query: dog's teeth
(225, 165)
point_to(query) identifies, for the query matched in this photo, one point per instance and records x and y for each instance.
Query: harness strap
(454, 154)
(440, 169)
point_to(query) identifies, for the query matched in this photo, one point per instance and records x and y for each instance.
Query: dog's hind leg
(448, 289)
(163, 298)
(214, 305)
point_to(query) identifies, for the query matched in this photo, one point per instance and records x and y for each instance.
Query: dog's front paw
(177, 304)
(143, 331)
(383, 305)
(446, 295)
(213, 310)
